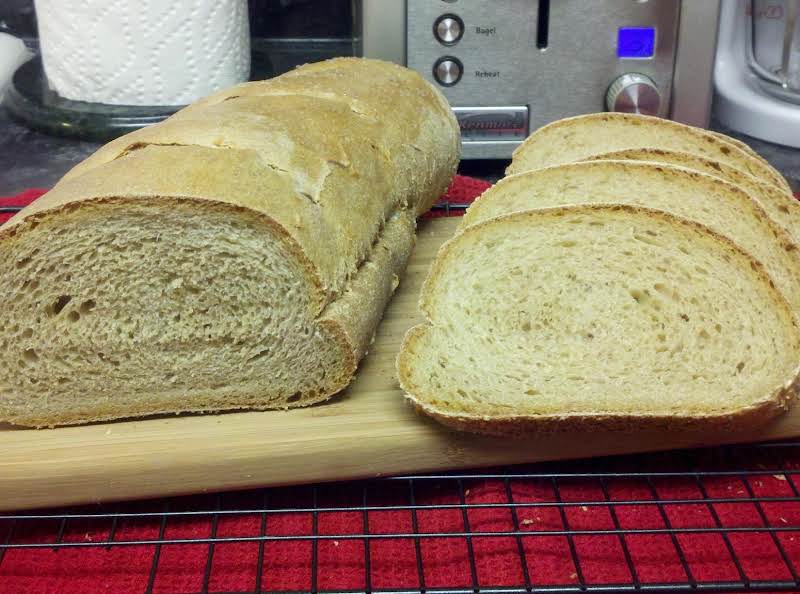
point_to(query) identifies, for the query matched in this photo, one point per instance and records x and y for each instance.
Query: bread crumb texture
(598, 316)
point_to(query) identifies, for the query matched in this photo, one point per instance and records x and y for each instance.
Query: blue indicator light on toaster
(636, 42)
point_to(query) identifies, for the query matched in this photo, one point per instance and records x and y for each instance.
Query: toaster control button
(633, 93)
(448, 29)
(447, 71)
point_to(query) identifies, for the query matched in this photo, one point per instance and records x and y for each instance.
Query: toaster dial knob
(447, 71)
(633, 93)
(448, 29)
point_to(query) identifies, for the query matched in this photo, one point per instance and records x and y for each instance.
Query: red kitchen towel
(462, 190)
(545, 508)
(428, 562)
(21, 199)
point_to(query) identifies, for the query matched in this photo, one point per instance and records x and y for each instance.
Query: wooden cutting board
(367, 431)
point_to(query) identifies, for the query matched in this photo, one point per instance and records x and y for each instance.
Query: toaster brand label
(487, 74)
(488, 31)
(479, 123)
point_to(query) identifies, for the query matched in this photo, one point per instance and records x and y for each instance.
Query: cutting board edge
(444, 451)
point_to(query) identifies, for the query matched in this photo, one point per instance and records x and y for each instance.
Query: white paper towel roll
(143, 52)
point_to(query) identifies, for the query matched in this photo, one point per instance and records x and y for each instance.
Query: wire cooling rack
(719, 520)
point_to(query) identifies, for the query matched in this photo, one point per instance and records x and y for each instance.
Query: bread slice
(575, 139)
(781, 206)
(742, 145)
(598, 316)
(721, 206)
(236, 256)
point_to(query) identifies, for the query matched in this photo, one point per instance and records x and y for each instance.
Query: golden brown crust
(519, 425)
(748, 149)
(778, 203)
(753, 416)
(213, 403)
(691, 161)
(358, 310)
(717, 142)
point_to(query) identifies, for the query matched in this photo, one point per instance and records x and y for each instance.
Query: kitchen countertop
(31, 159)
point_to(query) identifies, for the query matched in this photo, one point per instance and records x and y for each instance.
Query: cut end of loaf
(134, 308)
(598, 317)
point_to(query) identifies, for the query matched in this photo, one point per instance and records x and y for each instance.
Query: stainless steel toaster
(510, 66)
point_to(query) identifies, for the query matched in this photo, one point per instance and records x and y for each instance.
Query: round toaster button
(448, 29)
(447, 71)
(634, 93)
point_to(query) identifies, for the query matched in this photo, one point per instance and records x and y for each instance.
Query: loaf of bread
(580, 137)
(717, 204)
(238, 255)
(598, 316)
(781, 206)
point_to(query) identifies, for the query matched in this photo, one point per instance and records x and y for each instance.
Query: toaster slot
(543, 24)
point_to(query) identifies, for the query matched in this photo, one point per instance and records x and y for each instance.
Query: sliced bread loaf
(781, 206)
(575, 139)
(598, 316)
(238, 255)
(719, 205)
(742, 145)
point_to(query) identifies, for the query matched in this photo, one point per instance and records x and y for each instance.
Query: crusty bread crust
(742, 145)
(758, 412)
(521, 426)
(716, 142)
(779, 204)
